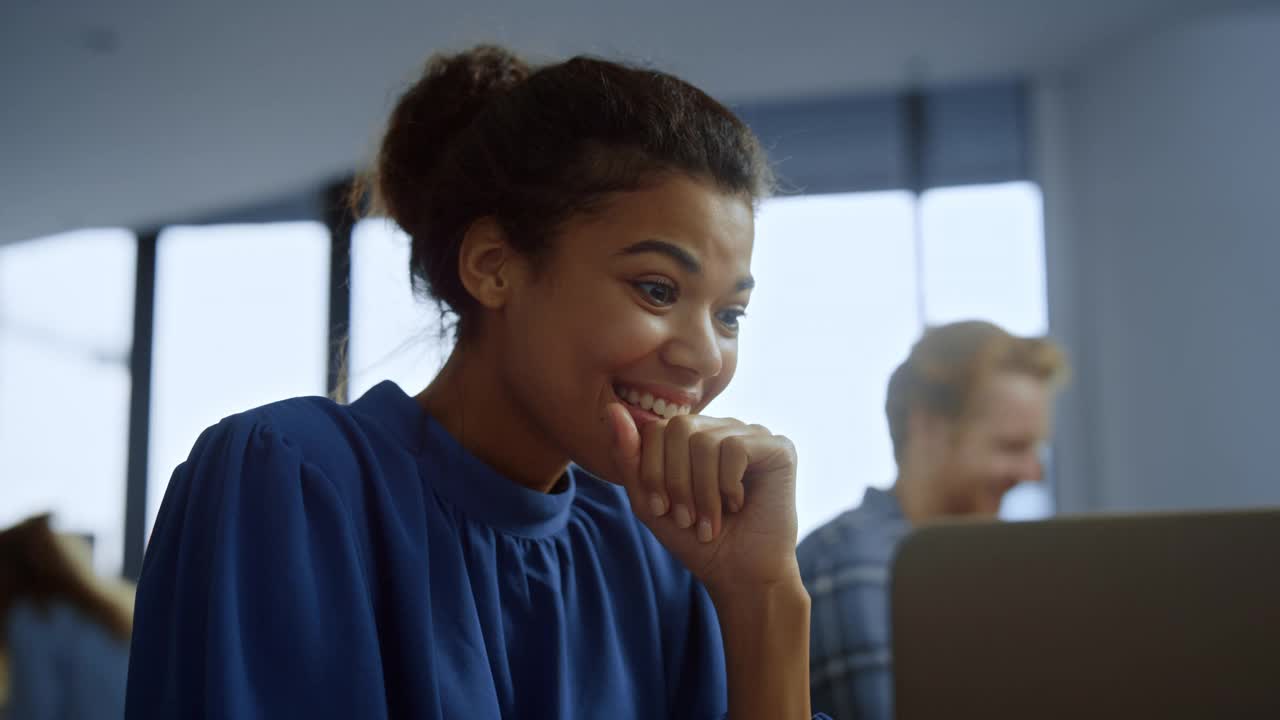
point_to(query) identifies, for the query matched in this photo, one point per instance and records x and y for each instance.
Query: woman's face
(639, 301)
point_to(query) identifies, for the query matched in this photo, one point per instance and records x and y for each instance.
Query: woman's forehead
(714, 228)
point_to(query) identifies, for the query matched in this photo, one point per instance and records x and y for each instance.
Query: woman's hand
(681, 475)
(719, 494)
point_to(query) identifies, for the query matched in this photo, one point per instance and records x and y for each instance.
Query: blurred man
(968, 413)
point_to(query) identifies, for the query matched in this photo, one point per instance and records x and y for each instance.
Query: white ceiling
(129, 113)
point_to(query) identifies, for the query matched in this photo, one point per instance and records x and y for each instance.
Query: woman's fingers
(704, 474)
(691, 468)
(734, 460)
(627, 450)
(678, 475)
(652, 470)
(714, 475)
(717, 487)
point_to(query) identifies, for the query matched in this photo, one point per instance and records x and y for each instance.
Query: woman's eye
(730, 318)
(661, 294)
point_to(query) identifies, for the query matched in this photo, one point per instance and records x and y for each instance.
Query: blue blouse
(326, 561)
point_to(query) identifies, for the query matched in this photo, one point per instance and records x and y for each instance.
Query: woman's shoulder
(310, 424)
(384, 421)
(279, 484)
(292, 456)
(316, 432)
(307, 452)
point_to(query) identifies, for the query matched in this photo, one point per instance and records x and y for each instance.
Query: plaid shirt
(845, 566)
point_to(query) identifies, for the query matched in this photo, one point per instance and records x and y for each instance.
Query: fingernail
(704, 531)
(683, 517)
(658, 505)
(734, 506)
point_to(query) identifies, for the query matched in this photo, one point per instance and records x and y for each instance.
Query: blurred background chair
(64, 632)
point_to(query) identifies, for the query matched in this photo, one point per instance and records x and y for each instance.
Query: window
(241, 321)
(66, 326)
(394, 336)
(832, 315)
(836, 309)
(984, 256)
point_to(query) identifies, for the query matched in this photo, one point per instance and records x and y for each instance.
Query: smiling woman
(551, 528)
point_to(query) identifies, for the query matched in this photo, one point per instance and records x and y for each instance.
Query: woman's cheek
(729, 355)
(627, 339)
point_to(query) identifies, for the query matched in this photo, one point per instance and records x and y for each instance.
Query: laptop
(1151, 616)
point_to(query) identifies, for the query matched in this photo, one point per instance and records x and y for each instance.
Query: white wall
(134, 113)
(1160, 163)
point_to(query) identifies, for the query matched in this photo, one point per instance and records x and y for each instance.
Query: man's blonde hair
(949, 361)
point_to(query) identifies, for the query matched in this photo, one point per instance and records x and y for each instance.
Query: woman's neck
(470, 399)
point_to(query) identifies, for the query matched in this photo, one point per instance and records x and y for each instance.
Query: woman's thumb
(626, 443)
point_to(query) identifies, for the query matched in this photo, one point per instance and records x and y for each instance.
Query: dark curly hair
(483, 134)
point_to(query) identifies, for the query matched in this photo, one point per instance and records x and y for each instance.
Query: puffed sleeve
(252, 601)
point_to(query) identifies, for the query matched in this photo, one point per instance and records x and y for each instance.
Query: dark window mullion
(340, 220)
(135, 507)
(914, 129)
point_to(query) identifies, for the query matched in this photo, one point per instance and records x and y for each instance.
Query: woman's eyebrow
(683, 257)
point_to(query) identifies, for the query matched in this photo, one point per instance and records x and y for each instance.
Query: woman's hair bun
(443, 103)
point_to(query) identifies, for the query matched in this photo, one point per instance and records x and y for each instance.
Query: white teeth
(658, 406)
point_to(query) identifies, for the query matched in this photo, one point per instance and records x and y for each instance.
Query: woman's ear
(487, 263)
